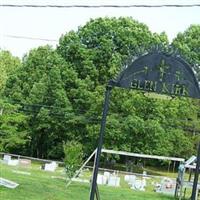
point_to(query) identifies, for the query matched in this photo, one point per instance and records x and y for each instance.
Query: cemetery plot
(139, 179)
(42, 184)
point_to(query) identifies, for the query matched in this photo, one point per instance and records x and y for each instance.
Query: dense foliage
(189, 45)
(8, 65)
(61, 94)
(13, 133)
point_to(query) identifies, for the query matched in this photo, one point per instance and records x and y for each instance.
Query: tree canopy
(102, 47)
(13, 128)
(8, 65)
(188, 43)
(61, 93)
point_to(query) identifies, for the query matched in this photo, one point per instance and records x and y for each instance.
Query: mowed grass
(41, 186)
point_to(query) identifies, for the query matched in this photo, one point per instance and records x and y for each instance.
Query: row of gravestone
(7, 159)
(135, 184)
(108, 179)
(113, 180)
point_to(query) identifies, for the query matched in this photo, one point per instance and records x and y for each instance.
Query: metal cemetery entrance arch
(157, 72)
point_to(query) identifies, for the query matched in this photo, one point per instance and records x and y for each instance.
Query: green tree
(98, 51)
(188, 43)
(62, 92)
(41, 86)
(8, 64)
(140, 124)
(73, 157)
(13, 133)
(102, 47)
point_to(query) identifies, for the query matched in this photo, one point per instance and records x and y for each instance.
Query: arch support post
(196, 177)
(93, 189)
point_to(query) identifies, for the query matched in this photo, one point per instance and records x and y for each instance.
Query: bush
(73, 157)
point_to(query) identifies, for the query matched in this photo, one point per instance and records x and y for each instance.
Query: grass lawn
(40, 186)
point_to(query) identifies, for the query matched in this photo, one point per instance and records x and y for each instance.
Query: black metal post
(100, 143)
(196, 177)
(97, 193)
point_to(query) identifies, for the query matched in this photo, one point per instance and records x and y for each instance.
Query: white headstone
(126, 178)
(114, 181)
(130, 179)
(6, 158)
(50, 166)
(24, 162)
(107, 174)
(139, 185)
(144, 183)
(54, 164)
(101, 179)
(8, 183)
(144, 173)
(13, 162)
(105, 180)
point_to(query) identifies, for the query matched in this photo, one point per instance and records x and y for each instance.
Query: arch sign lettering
(160, 73)
(157, 72)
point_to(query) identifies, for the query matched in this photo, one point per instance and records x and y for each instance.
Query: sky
(51, 23)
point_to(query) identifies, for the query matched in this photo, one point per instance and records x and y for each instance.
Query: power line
(30, 38)
(71, 115)
(89, 119)
(102, 6)
(41, 105)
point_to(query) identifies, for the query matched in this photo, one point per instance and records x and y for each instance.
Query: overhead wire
(82, 6)
(103, 6)
(30, 38)
(40, 105)
(29, 108)
(96, 119)
(65, 116)
(74, 116)
(92, 119)
(90, 6)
